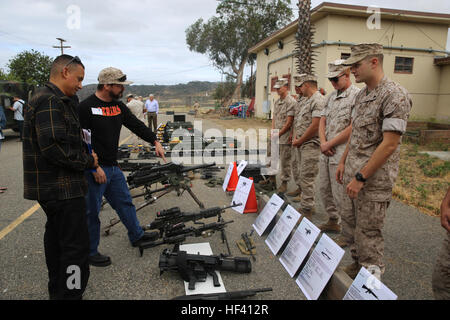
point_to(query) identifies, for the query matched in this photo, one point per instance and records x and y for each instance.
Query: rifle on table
(248, 244)
(167, 219)
(223, 295)
(195, 267)
(179, 233)
(171, 175)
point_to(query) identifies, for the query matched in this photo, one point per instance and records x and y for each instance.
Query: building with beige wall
(414, 48)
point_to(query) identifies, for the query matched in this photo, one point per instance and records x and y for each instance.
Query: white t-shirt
(18, 110)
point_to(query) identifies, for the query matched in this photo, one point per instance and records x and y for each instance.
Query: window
(345, 56)
(403, 65)
(272, 83)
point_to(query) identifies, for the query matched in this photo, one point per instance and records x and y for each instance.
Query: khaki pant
(362, 225)
(285, 162)
(152, 118)
(331, 191)
(309, 168)
(441, 273)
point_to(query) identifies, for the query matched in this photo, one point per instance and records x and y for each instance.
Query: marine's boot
(352, 269)
(331, 225)
(341, 242)
(283, 187)
(295, 192)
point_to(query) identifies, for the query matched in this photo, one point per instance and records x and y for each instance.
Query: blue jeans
(118, 195)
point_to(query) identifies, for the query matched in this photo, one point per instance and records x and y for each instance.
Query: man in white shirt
(18, 113)
(152, 108)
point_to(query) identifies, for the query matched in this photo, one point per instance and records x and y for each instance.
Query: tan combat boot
(341, 242)
(283, 187)
(331, 225)
(297, 198)
(295, 192)
(266, 181)
(308, 213)
(352, 269)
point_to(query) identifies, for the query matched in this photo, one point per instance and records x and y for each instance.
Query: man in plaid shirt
(54, 160)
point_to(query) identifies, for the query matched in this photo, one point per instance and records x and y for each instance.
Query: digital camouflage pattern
(386, 108)
(281, 111)
(441, 272)
(338, 114)
(310, 108)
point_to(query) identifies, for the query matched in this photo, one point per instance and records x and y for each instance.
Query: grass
(423, 180)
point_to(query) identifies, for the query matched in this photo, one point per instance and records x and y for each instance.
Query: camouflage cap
(130, 95)
(336, 68)
(112, 76)
(281, 82)
(302, 78)
(363, 50)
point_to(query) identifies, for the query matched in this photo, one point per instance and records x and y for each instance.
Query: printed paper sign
(282, 229)
(227, 176)
(267, 214)
(241, 167)
(241, 194)
(299, 246)
(367, 287)
(320, 267)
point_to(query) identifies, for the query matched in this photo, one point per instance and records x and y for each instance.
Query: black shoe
(99, 260)
(148, 236)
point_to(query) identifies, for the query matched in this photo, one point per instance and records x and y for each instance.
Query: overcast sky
(146, 39)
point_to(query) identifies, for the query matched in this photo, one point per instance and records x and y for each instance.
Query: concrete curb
(339, 283)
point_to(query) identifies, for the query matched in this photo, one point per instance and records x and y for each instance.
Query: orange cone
(232, 184)
(252, 205)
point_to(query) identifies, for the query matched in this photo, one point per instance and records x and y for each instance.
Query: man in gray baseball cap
(104, 114)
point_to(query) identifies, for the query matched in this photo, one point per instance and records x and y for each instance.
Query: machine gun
(166, 221)
(160, 173)
(167, 218)
(170, 174)
(223, 295)
(195, 267)
(178, 234)
(248, 243)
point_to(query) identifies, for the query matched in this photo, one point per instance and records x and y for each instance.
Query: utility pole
(61, 45)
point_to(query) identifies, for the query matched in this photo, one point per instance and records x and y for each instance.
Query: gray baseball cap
(112, 76)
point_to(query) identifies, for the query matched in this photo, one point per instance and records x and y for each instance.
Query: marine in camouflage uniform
(283, 118)
(441, 272)
(371, 158)
(307, 139)
(334, 132)
(295, 161)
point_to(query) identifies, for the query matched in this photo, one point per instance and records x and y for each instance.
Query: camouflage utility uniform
(295, 160)
(308, 153)
(337, 112)
(386, 108)
(282, 110)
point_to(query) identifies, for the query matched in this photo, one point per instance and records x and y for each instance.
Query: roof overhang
(328, 8)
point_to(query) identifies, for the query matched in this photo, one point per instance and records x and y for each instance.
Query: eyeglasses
(122, 79)
(336, 79)
(74, 59)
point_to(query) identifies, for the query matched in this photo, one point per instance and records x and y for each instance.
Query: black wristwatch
(360, 177)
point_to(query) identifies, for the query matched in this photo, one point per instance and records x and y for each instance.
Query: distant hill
(179, 91)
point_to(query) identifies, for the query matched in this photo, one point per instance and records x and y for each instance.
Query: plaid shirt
(54, 155)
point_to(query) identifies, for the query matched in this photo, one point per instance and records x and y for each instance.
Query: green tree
(239, 25)
(31, 67)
